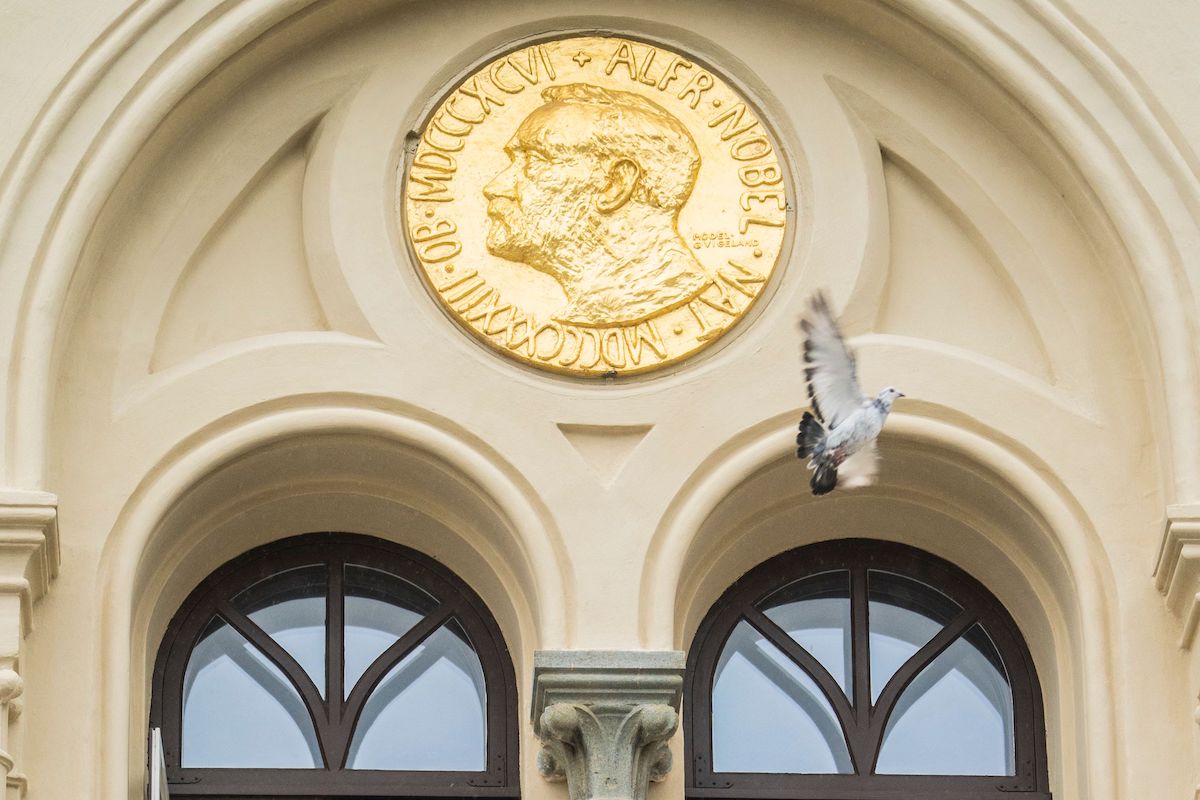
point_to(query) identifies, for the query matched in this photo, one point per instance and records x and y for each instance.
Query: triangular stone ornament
(605, 448)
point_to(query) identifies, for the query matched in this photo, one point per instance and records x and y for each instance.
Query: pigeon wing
(859, 469)
(829, 366)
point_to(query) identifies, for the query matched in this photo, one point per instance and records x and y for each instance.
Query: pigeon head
(888, 396)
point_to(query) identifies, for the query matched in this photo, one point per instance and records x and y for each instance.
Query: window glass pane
(815, 612)
(955, 718)
(904, 615)
(380, 608)
(240, 710)
(290, 606)
(429, 712)
(769, 715)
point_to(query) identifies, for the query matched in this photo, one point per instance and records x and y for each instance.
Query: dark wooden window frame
(334, 719)
(862, 723)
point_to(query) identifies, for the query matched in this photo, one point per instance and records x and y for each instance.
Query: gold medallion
(595, 205)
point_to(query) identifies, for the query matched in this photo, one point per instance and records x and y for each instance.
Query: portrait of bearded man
(592, 198)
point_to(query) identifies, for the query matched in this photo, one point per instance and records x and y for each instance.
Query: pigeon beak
(901, 394)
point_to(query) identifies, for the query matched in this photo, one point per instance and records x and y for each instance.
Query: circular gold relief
(595, 205)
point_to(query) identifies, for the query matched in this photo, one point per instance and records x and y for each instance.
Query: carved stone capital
(1177, 574)
(605, 717)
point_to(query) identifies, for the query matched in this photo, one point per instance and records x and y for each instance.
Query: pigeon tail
(824, 479)
(810, 444)
(810, 441)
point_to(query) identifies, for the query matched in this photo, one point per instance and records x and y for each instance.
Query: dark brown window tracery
(862, 670)
(335, 665)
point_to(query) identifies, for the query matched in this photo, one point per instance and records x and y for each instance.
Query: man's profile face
(536, 206)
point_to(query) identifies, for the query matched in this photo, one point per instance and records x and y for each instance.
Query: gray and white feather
(840, 432)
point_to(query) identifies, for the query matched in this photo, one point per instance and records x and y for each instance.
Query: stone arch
(1145, 192)
(317, 465)
(1004, 519)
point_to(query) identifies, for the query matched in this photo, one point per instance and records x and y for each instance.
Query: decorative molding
(29, 558)
(605, 717)
(1177, 574)
(606, 449)
(29, 551)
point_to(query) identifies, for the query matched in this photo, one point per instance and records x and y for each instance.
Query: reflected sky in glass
(904, 614)
(428, 713)
(380, 608)
(768, 714)
(290, 607)
(240, 710)
(955, 718)
(815, 612)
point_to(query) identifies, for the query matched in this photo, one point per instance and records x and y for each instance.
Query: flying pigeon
(843, 432)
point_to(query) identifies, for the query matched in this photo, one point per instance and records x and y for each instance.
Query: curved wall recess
(249, 275)
(957, 493)
(324, 464)
(934, 207)
(1065, 443)
(932, 246)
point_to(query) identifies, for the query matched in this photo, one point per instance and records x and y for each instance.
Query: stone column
(605, 717)
(29, 558)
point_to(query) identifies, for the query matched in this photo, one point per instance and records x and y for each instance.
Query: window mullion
(860, 648)
(860, 738)
(379, 667)
(335, 641)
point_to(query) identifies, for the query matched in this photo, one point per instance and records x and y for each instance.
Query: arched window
(334, 665)
(862, 670)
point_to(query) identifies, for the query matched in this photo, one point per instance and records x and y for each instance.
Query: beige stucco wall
(214, 337)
